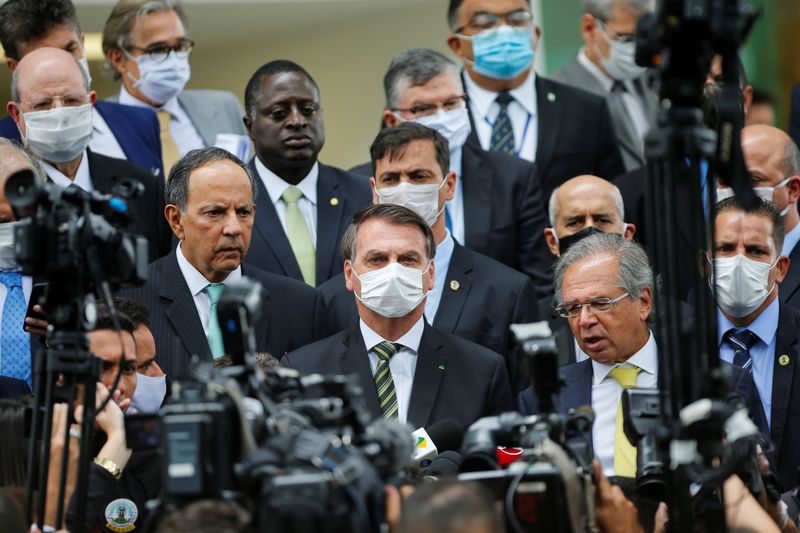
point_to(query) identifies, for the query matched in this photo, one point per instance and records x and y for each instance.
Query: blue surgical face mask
(149, 394)
(501, 53)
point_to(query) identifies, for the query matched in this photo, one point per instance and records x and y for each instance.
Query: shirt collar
(410, 339)
(82, 177)
(602, 78)
(444, 251)
(790, 239)
(197, 281)
(765, 326)
(127, 98)
(646, 359)
(482, 99)
(276, 186)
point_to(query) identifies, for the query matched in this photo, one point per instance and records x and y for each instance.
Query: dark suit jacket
(13, 387)
(147, 210)
(339, 195)
(575, 135)
(504, 212)
(135, 128)
(788, 290)
(293, 315)
(480, 299)
(454, 378)
(794, 115)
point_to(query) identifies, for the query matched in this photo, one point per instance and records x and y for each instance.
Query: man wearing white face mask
(408, 370)
(605, 66)
(755, 330)
(147, 49)
(497, 207)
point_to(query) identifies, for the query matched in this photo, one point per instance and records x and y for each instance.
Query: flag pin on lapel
(551, 97)
(454, 285)
(334, 201)
(441, 366)
(783, 360)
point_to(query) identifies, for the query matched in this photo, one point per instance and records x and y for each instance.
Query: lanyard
(524, 131)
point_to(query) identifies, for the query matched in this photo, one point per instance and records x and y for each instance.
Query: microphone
(440, 436)
(447, 464)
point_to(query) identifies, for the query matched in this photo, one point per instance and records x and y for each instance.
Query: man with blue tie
(756, 331)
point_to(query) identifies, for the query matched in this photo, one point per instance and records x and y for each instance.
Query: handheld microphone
(447, 464)
(443, 435)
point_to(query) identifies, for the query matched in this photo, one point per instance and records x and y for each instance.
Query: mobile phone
(38, 293)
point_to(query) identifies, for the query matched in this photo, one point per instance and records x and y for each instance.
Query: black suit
(480, 299)
(575, 135)
(788, 290)
(794, 115)
(293, 315)
(504, 212)
(339, 195)
(13, 387)
(454, 378)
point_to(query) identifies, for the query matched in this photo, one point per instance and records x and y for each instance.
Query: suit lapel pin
(454, 285)
(783, 360)
(551, 97)
(334, 201)
(441, 367)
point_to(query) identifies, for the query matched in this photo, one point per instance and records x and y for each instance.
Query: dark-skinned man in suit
(211, 208)
(304, 206)
(497, 204)
(476, 297)
(407, 369)
(565, 130)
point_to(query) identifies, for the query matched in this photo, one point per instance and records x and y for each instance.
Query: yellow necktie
(299, 236)
(169, 150)
(624, 451)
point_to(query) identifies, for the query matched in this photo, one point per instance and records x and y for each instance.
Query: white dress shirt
(82, 177)
(455, 207)
(402, 365)
(441, 263)
(103, 140)
(630, 97)
(522, 112)
(606, 392)
(181, 127)
(307, 203)
(197, 282)
(791, 239)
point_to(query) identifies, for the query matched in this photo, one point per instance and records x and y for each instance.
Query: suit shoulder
(8, 129)
(123, 167)
(207, 95)
(300, 357)
(332, 287)
(364, 169)
(490, 269)
(572, 95)
(276, 283)
(792, 313)
(506, 162)
(475, 353)
(355, 183)
(130, 111)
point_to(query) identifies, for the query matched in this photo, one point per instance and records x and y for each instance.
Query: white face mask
(392, 291)
(423, 199)
(58, 135)
(765, 193)
(453, 125)
(84, 64)
(741, 284)
(161, 81)
(621, 61)
(149, 394)
(7, 259)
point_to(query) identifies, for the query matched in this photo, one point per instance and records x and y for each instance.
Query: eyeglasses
(598, 305)
(486, 21)
(67, 100)
(619, 37)
(424, 110)
(160, 51)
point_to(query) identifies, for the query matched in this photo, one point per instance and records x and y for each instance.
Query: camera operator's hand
(394, 504)
(112, 421)
(742, 510)
(615, 512)
(59, 432)
(36, 326)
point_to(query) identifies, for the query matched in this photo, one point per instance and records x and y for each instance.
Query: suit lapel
(180, 309)
(270, 230)
(102, 181)
(472, 139)
(457, 284)
(783, 375)
(578, 388)
(476, 180)
(548, 123)
(355, 361)
(431, 366)
(792, 280)
(331, 207)
(203, 118)
(127, 142)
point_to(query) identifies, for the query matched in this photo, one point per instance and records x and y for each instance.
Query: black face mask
(568, 240)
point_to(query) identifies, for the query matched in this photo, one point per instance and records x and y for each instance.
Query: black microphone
(443, 435)
(447, 464)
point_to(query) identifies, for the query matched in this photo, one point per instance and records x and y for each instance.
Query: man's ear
(248, 125)
(373, 186)
(646, 302)
(390, 119)
(450, 188)
(782, 268)
(174, 219)
(793, 189)
(16, 115)
(630, 231)
(348, 275)
(747, 98)
(11, 64)
(552, 241)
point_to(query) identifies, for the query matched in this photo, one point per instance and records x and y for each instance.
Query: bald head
(43, 68)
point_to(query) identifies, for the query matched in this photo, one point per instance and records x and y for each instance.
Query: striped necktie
(741, 340)
(387, 397)
(502, 139)
(15, 342)
(624, 451)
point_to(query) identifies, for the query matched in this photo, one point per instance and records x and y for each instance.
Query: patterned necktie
(502, 139)
(299, 236)
(624, 451)
(214, 291)
(387, 398)
(15, 342)
(169, 149)
(741, 340)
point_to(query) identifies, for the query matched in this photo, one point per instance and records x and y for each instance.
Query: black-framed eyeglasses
(160, 51)
(598, 305)
(484, 20)
(424, 110)
(619, 37)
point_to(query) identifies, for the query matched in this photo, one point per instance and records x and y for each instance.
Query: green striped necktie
(387, 397)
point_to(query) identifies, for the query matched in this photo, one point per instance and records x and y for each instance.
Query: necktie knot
(618, 87)
(742, 339)
(292, 195)
(11, 279)
(503, 99)
(214, 291)
(385, 350)
(625, 375)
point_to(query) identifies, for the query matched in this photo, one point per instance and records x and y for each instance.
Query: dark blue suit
(135, 128)
(794, 115)
(13, 387)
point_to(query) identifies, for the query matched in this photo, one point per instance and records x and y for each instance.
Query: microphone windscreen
(394, 438)
(446, 464)
(446, 434)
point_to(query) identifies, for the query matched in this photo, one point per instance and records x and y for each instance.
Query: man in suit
(567, 131)
(211, 208)
(147, 49)
(476, 297)
(121, 132)
(407, 369)
(51, 104)
(794, 115)
(497, 206)
(605, 66)
(304, 206)
(755, 330)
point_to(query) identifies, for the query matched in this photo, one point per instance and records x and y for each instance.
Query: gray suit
(630, 144)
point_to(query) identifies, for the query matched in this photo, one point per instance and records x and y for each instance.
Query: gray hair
(634, 268)
(6, 146)
(602, 9)
(177, 190)
(412, 68)
(15, 97)
(118, 26)
(552, 207)
(393, 213)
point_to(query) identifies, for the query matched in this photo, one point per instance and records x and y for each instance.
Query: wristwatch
(109, 465)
